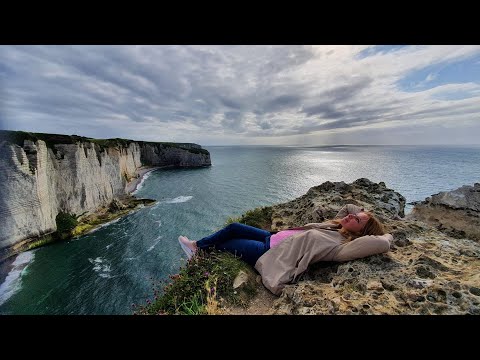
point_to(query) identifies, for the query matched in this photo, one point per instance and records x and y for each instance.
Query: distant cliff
(42, 175)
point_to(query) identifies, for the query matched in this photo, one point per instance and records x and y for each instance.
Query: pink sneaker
(187, 246)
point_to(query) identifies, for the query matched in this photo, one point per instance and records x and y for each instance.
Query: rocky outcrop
(42, 175)
(456, 212)
(323, 202)
(426, 271)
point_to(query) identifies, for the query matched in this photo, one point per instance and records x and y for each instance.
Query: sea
(116, 267)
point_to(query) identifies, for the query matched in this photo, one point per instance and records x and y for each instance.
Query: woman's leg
(248, 250)
(233, 231)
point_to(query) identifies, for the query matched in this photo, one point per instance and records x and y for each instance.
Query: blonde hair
(372, 227)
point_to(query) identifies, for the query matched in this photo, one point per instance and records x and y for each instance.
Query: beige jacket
(320, 242)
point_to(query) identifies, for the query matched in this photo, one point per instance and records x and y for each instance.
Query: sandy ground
(132, 185)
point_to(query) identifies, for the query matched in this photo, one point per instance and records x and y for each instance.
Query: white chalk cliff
(40, 179)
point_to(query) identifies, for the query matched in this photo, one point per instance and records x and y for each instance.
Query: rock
(374, 285)
(329, 197)
(475, 291)
(456, 213)
(241, 279)
(116, 205)
(420, 283)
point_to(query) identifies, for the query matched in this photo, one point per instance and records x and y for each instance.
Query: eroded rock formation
(456, 212)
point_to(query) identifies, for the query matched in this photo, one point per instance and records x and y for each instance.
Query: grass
(81, 229)
(40, 242)
(201, 286)
(260, 217)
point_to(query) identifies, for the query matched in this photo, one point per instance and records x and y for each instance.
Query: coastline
(5, 267)
(142, 171)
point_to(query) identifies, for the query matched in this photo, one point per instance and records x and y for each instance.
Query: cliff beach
(144, 170)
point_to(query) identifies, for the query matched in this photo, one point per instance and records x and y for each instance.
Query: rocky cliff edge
(427, 270)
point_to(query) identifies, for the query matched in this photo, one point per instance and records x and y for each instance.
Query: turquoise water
(108, 270)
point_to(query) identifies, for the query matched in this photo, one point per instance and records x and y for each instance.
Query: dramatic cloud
(309, 95)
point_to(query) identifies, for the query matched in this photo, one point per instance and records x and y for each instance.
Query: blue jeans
(247, 242)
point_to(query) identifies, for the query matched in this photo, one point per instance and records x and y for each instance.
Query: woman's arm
(344, 211)
(364, 246)
(348, 209)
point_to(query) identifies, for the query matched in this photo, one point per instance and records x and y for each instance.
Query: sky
(246, 94)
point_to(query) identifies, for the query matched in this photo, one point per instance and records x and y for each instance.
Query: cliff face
(40, 178)
(158, 155)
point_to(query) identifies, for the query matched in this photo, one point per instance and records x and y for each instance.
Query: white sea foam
(179, 199)
(13, 282)
(104, 275)
(157, 240)
(106, 224)
(140, 185)
(108, 246)
(101, 266)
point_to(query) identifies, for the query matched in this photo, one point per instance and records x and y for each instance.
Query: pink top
(275, 239)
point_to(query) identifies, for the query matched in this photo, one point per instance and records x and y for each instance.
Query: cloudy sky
(233, 95)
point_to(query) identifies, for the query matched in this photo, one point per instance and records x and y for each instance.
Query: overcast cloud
(214, 95)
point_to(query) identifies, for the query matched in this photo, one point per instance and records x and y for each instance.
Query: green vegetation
(201, 284)
(65, 222)
(108, 143)
(260, 217)
(18, 137)
(40, 242)
(81, 229)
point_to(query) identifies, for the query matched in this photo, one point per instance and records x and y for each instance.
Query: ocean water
(107, 271)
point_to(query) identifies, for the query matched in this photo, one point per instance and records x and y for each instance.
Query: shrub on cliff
(65, 222)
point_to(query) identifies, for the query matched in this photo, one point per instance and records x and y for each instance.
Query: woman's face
(354, 222)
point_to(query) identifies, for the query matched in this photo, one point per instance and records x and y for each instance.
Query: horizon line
(277, 145)
(297, 145)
